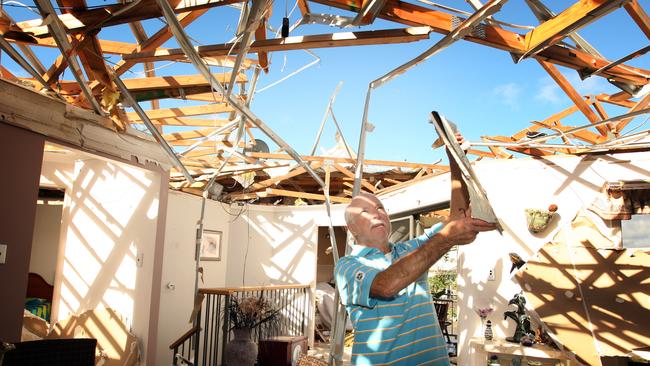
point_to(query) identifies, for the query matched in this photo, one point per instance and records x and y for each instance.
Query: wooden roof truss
(207, 136)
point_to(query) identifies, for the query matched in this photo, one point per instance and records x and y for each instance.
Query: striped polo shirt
(403, 330)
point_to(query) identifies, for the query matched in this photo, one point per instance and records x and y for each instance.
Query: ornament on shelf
(489, 335)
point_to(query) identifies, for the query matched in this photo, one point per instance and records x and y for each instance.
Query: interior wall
(569, 182)
(45, 244)
(21, 155)
(275, 245)
(109, 233)
(177, 285)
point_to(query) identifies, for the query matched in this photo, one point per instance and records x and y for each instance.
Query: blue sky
(478, 87)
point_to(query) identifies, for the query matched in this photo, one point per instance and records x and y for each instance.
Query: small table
(483, 349)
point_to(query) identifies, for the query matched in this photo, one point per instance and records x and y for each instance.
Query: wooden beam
(199, 110)
(523, 150)
(573, 95)
(303, 5)
(156, 40)
(81, 21)
(176, 93)
(571, 19)
(342, 39)
(186, 121)
(309, 196)
(349, 161)
(609, 99)
(642, 103)
(269, 182)
(349, 174)
(584, 135)
(185, 135)
(260, 35)
(209, 143)
(81, 128)
(177, 81)
(639, 16)
(481, 153)
(149, 69)
(441, 22)
(602, 113)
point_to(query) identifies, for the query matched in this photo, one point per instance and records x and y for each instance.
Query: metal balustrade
(205, 342)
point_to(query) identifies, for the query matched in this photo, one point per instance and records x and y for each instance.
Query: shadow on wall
(277, 248)
(109, 214)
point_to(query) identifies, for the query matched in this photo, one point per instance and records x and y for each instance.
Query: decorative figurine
(539, 219)
(488, 331)
(520, 317)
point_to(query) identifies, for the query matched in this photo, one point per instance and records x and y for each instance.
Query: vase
(488, 331)
(241, 350)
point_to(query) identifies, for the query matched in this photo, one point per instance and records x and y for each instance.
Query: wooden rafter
(294, 43)
(269, 182)
(309, 196)
(80, 21)
(200, 110)
(441, 22)
(573, 95)
(186, 135)
(141, 36)
(609, 99)
(642, 103)
(177, 81)
(523, 150)
(187, 121)
(260, 35)
(577, 15)
(348, 173)
(639, 16)
(349, 161)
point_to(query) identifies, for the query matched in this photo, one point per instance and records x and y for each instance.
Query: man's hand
(464, 230)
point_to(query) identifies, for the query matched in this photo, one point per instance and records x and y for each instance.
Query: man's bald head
(368, 221)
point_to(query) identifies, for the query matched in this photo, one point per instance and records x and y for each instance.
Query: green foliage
(442, 281)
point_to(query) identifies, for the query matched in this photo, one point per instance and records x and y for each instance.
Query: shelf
(504, 347)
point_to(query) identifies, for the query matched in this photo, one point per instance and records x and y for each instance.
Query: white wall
(183, 213)
(109, 220)
(266, 244)
(45, 243)
(512, 186)
(275, 245)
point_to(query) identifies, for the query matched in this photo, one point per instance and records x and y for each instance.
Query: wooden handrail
(232, 290)
(185, 337)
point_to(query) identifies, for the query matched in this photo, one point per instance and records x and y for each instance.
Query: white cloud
(548, 91)
(507, 93)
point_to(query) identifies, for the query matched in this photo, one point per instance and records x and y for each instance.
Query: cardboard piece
(595, 301)
(479, 203)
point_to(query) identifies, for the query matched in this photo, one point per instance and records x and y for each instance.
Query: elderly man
(384, 285)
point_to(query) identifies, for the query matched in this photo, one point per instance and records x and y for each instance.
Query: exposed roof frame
(339, 39)
(441, 22)
(571, 19)
(58, 32)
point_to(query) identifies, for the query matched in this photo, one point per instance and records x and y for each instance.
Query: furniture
(442, 309)
(52, 352)
(504, 350)
(281, 351)
(39, 293)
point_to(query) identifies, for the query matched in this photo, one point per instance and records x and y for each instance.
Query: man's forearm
(408, 268)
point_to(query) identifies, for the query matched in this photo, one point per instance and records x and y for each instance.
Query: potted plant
(246, 314)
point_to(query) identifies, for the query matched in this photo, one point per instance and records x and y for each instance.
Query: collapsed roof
(207, 141)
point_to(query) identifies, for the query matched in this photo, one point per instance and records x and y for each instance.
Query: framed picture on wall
(211, 245)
